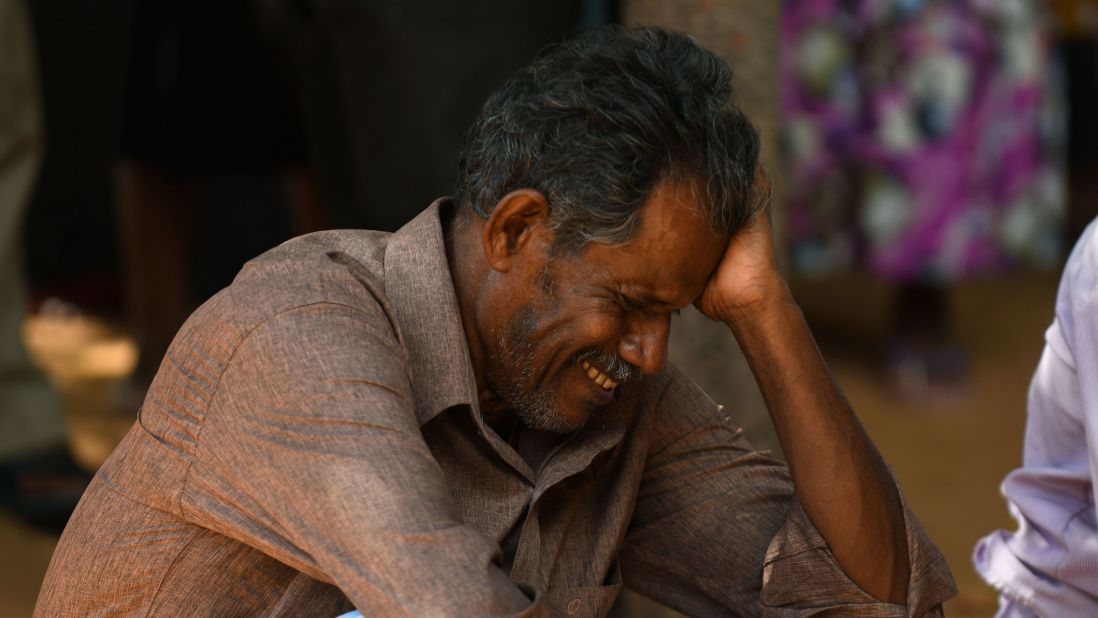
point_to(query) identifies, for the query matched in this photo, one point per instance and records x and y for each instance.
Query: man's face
(590, 322)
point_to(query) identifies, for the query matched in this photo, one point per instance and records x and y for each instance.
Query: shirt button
(573, 606)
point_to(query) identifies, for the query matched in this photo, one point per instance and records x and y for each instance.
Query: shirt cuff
(801, 575)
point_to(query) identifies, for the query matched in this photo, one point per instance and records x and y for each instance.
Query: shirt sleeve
(311, 453)
(717, 529)
(1047, 565)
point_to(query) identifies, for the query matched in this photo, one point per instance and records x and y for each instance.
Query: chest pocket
(589, 600)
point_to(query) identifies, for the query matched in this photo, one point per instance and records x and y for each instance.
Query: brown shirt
(313, 441)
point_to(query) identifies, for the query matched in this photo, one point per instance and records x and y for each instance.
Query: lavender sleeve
(1049, 565)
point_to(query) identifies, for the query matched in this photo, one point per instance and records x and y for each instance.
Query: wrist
(759, 302)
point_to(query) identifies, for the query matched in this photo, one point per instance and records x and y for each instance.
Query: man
(472, 417)
(1046, 567)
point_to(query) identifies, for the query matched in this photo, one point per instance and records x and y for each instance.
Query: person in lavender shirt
(1049, 566)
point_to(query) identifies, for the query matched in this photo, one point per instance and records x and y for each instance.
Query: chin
(555, 406)
(554, 418)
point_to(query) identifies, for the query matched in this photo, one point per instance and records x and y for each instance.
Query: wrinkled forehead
(674, 252)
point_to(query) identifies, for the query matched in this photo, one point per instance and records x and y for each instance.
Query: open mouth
(598, 377)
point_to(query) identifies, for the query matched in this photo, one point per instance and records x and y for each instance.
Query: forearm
(839, 478)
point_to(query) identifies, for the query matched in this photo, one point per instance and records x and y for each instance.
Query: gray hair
(596, 122)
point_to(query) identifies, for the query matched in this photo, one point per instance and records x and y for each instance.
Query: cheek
(604, 326)
(572, 325)
(590, 329)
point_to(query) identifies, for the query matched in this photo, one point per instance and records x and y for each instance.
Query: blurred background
(934, 161)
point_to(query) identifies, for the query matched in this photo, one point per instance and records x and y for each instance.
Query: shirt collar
(422, 297)
(421, 294)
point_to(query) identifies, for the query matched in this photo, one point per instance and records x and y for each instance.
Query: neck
(469, 272)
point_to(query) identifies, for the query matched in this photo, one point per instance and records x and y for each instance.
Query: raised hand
(747, 278)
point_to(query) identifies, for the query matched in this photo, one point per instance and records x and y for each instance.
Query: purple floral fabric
(922, 137)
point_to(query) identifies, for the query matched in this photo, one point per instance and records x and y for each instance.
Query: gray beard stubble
(536, 407)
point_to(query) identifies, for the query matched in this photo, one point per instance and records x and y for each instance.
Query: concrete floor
(948, 455)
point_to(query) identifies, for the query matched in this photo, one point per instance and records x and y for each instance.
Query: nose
(645, 341)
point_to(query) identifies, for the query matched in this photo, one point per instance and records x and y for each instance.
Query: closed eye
(632, 304)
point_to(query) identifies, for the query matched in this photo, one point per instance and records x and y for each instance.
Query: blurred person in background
(923, 142)
(39, 480)
(207, 99)
(1047, 566)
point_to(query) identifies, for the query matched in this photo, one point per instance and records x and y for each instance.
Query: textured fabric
(1049, 565)
(924, 138)
(313, 441)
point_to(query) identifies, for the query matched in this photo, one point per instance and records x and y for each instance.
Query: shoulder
(294, 289)
(1075, 299)
(1080, 271)
(677, 406)
(338, 267)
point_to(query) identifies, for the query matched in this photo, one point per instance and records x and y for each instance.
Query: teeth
(599, 377)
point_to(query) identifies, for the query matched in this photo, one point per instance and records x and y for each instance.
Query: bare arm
(839, 477)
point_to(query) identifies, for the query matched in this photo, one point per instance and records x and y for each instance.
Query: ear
(514, 222)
